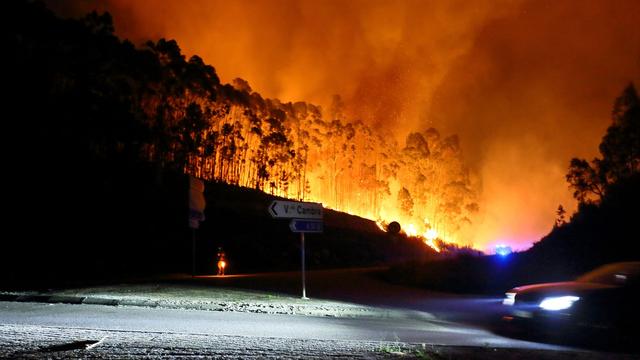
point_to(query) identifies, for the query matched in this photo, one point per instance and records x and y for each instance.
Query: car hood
(558, 289)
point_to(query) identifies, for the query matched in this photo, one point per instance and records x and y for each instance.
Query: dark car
(607, 298)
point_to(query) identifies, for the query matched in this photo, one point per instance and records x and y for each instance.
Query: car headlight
(558, 302)
(509, 299)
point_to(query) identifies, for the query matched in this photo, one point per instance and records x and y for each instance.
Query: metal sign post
(302, 227)
(305, 218)
(304, 286)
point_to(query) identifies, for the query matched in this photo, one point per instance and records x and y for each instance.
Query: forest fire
(408, 72)
(429, 237)
(297, 151)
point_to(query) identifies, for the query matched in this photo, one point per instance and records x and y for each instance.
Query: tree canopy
(619, 149)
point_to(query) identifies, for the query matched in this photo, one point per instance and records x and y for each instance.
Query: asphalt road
(32, 330)
(408, 320)
(365, 287)
(407, 329)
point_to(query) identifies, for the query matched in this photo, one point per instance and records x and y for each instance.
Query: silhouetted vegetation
(620, 150)
(603, 230)
(105, 96)
(103, 134)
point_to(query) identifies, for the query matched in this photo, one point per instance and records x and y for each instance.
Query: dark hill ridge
(255, 203)
(238, 220)
(112, 219)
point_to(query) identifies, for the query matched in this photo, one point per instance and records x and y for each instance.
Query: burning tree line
(153, 104)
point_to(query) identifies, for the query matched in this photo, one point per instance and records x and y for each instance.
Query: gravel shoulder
(36, 342)
(185, 296)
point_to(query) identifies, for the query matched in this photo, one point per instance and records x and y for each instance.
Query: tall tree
(620, 150)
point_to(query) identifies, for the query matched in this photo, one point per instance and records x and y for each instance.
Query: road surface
(409, 322)
(32, 330)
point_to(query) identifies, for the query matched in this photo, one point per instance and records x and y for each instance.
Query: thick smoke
(385, 58)
(536, 89)
(526, 84)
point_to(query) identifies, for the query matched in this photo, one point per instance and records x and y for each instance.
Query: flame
(429, 238)
(432, 244)
(346, 173)
(423, 230)
(426, 228)
(431, 234)
(411, 230)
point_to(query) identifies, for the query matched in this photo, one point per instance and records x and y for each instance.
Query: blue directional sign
(305, 226)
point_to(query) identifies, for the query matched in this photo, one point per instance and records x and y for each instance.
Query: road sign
(306, 218)
(295, 210)
(305, 226)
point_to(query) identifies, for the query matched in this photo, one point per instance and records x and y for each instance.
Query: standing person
(222, 261)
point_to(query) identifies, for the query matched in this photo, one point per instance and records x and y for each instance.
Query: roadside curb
(74, 300)
(100, 301)
(8, 297)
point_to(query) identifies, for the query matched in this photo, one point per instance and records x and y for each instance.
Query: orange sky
(526, 84)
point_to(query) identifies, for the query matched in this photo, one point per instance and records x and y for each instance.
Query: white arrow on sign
(295, 209)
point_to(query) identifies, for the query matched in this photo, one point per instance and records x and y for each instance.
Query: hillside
(115, 219)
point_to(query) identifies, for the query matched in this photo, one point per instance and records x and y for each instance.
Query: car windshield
(613, 274)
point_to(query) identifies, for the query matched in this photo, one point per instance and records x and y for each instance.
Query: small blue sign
(305, 226)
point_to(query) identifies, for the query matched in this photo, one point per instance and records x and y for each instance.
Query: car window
(613, 274)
